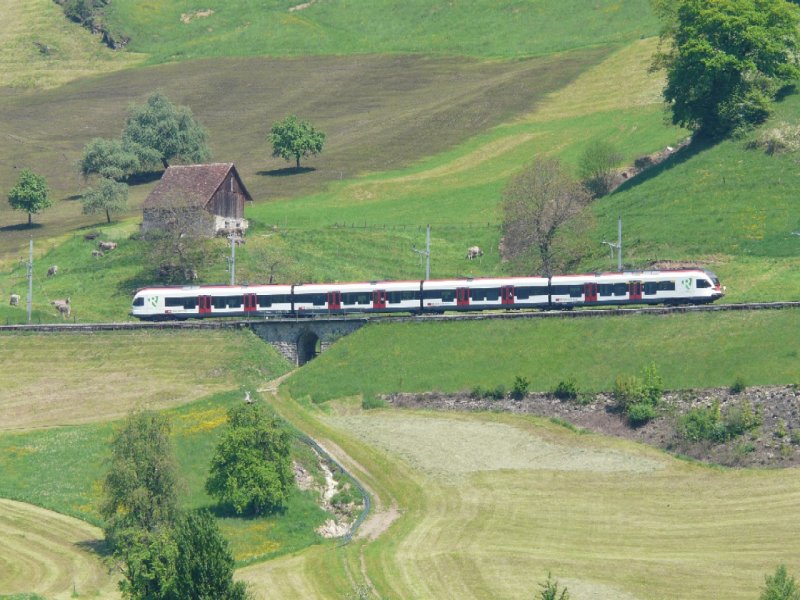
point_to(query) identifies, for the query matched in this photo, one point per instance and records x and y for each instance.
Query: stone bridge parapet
(300, 340)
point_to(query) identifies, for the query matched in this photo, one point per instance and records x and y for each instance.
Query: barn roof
(191, 185)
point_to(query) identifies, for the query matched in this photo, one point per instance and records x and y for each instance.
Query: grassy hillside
(378, 112)
(487, 28)
(39, 49)
(700, 350)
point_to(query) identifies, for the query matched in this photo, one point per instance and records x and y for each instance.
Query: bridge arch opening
(308, 346)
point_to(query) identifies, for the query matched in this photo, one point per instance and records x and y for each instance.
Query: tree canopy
(251, 470)
(291, 138)
(203, 562)
(109, 159)
(780, 586)
(158, 132)
(545, 218)
(725, 60)
(30, 194)
(141, 484)
(108, 196)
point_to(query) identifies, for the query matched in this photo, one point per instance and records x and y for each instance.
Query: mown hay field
(50, 554)
(500, 500)
(67, 378)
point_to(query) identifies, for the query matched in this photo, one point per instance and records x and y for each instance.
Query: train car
(158, 303)
(560, 291)
(373, 296)
(636, 287)
(485, 293)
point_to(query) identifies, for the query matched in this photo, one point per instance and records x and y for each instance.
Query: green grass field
(169, 31)
(690, 350)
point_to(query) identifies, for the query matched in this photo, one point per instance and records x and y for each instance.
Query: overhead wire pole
(426, 253)
(617, 246)
(30, 279)
(232, 259)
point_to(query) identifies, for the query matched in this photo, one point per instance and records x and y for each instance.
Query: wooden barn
(198, 199)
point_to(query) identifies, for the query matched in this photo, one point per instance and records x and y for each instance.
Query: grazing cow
(91, 236)
(52, 271)
(474, 252)
(62, 306)
(97, 253)
(107, 246)
(13, 300)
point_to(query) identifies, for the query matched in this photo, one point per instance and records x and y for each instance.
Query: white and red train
(686, 286)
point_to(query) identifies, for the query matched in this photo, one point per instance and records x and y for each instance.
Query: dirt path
(50, 554)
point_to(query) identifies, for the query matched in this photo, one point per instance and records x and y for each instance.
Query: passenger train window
(362, 298)
(180, 302)
(227, 301)
(264, 301)
(605, 289)
(525, 292)
(394, 297)
(138, 301)
(485, 294)
(702, 283)
(666, 286)
(448, 295)
(620, 289)
(650, 287)
(575, 291)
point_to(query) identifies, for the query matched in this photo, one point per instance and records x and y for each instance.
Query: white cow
(62, 306)
(474, 252)
(13, 300)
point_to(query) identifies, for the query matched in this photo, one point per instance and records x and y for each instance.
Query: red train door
(249, 302)
(462, 296)
(204, 304)
(635, 290)
(590, 292)
(507, 294)
(379, 299)
(334, 300)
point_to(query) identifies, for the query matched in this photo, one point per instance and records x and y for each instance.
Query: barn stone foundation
(300, 340)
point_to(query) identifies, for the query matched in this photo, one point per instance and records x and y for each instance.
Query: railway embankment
(773, 443)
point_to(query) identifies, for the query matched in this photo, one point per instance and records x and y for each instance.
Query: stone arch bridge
(300, 340)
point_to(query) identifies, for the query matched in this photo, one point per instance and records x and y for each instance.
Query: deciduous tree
(251, 469)
(545, 220)
(598, 167)
(291, 138)
(158, 132)
(780, 586)
(203, 562)
(107, 196)
(30, 194)
(141, 485)
(109, 159)
(725, 60)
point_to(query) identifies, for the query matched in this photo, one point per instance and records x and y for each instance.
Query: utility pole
(30, 279)
(426, 253)
(232, 259)
(617, 246)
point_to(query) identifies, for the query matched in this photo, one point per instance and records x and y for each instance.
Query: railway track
(477, 316)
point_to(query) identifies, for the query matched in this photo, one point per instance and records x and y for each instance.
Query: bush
(738, 386)
(782, 139)
(780, 586)
(478, 393)
(627, 391)
(652, 384)
(702, 424)
(640, 413)
(368, 402)
(566, 390)
(520, 387)
(709, 424)
(497, 393)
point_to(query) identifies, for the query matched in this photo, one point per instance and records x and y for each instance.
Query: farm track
(549, 314)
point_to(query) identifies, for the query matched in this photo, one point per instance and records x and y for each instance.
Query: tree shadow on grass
(684, 154)
(286, 171)
(142, 178)
(226, 511)
(99, 547)
(21, 227)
